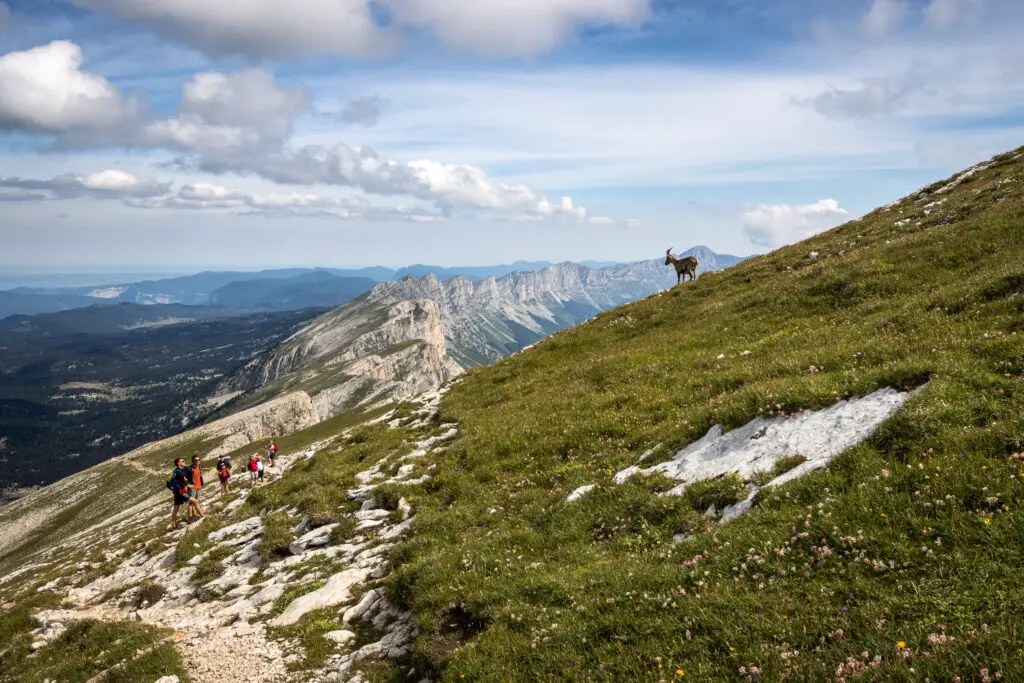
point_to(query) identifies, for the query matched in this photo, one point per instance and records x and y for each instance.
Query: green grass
(277, 535)
(110, 650)
(909, 537)
(720, 492)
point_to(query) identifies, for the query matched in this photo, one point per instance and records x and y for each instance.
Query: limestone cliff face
(282, 415)
(488, 319)
(359, 353)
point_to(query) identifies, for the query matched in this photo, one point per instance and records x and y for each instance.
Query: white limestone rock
(580, 492)
(336, 591)
(818, 435)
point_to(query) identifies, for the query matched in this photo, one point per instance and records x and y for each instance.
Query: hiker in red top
(224, 474)
(254, 468)
(271, 453)
(196, 482)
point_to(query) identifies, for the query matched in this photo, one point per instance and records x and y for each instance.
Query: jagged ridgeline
(850, 404)
(409, 336)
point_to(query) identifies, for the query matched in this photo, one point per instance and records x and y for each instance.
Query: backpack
(173, 482)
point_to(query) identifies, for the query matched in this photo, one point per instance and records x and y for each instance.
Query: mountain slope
(360, 353)
(460, 545)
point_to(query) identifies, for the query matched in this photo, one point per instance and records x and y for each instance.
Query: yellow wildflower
(680, 673)
(988, 521)
(901, 645)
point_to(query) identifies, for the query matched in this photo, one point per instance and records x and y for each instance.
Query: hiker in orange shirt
(196, 482)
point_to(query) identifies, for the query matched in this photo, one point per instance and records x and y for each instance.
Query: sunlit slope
(907, 548)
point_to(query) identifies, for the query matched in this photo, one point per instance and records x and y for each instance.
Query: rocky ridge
(365, 352)
(485, 320)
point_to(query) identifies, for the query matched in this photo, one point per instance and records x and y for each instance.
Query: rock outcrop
(361, 353)
(488, 319)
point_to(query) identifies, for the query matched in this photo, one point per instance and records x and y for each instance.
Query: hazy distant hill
(319, 288)
(105, 319)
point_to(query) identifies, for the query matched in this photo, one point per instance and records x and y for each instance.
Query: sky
(176, 134)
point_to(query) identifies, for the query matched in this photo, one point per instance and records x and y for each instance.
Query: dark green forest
(71, 400)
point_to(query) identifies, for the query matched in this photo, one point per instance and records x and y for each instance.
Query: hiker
(254, 468)
(196, 482)
(178, 483)
(224, 473)
(259, 469)
(271, 452)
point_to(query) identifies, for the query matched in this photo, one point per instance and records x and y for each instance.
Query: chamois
(684, 266)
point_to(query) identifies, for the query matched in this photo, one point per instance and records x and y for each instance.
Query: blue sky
(185, 133)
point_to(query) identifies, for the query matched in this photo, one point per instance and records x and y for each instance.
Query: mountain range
(408, 336)
(245, 292)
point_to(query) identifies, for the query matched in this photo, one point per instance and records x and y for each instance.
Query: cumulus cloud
(877, 96)
(44, 90)
(259, 28)
(271, 29)
(509, 29)
(883, 17)
(109, 184)
(365, 111)
(226, 115)
(242, 123)
(773, 225)
(280, 205)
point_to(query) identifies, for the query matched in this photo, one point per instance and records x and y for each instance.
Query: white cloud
(109, 184)
(226, 115)
(272, 29)
(773, 225)
(242, 123)
(883, 17)
(876, 96)
(259, 28)
(44, 90)
(503, 28)
(280, 204)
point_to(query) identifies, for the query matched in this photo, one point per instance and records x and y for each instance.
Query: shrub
(720, 492)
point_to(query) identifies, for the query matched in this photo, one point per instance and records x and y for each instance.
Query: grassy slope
(845, 561)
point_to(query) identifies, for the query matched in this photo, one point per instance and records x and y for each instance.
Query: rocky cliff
(485, 320)
(359, 353)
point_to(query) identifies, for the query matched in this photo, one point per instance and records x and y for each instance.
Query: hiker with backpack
(224, 473)
(179, 483)
(271, 452)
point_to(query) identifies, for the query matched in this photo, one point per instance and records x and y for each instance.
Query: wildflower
(680, 673)
(732, 649)
(901, 645)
